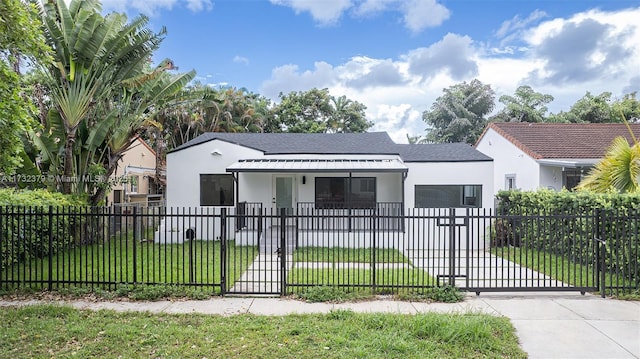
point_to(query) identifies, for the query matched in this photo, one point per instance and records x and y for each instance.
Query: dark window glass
(334, 192)
(571, 178)
(216, 190)
(447, 196)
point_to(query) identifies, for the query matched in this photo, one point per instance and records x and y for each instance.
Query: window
(134, 184)
(447, 196)
(337, 192)
(571, 178)
(216, 190)
(510, 181)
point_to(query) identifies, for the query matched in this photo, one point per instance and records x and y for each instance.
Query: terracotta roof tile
(564, 140)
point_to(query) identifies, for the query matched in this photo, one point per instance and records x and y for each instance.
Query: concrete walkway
(548, 325)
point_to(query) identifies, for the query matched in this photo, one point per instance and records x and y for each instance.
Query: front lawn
(117, 261)
(355, 269)
(45, 331)
(348, 255)
(560, 268)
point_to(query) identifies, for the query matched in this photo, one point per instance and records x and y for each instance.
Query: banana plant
(103, 92)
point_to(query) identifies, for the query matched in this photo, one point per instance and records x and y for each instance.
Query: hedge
(566, 224)
(24, 224)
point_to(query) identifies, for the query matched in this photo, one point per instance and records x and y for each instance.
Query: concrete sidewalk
(548, 325)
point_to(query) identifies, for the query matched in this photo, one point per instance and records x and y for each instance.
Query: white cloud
(396, 91)
(326, 12)
(454, 54)
(421, 14)
(417, 14)
(199, 5)
(151, 7)
(241, 60)
(514, 26)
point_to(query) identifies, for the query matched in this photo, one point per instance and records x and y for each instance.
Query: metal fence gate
(250, 250)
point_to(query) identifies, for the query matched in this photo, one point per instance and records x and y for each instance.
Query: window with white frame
(510, 181)
(448, 196)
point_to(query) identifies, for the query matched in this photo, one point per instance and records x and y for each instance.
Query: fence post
(602, 250)
(223, 250)
(601, 253)
(135, 246)
(452, 247)
(50, 264)
(374, 246)
(193, 229)
(283, 251)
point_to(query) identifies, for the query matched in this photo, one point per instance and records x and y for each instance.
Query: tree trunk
(68, 161)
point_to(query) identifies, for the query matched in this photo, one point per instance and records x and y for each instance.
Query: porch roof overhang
(569, 162)
(318, 165)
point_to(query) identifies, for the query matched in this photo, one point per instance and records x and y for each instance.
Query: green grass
(554, 266)
(53, 331)
(352, 276)
(348, 255)
(560, 268)
(116, 261)
(351, 267)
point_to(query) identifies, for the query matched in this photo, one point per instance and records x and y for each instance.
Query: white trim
(317, 165)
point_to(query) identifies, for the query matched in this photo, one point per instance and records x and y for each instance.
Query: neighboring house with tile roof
(271, 171)
(529, 156)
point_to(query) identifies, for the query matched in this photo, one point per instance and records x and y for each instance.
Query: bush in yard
(24, 224)
(566, 223)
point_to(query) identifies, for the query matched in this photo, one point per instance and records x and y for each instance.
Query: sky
(397, 56)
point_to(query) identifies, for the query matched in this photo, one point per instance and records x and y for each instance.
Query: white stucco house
(529, 156)
(248, 172)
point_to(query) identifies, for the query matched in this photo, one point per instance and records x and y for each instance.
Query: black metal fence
(386, 249)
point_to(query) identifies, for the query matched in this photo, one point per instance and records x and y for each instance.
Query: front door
(283, 193)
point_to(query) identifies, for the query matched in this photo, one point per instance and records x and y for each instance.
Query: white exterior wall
(183, 183)
(551, 177)
(450, 173)
(184, 168)
(509, 159)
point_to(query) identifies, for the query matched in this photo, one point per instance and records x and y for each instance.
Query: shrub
(566, 223)
(25, 226)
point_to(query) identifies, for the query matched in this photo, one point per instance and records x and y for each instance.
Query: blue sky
(397, 56)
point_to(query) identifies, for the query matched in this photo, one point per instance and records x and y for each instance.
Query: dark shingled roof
(343, 143)
(563, 140)
(298, 143)
(441, 152)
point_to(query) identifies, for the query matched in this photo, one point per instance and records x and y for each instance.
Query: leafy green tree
(20, 37)
(103, 91)
(199, 109)
(347, 116)
(626, 108)
(413, 140)
(459, 115)
(316, 111)
(592, 109)
(525, 105)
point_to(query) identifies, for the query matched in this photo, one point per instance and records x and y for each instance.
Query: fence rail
(386, 249)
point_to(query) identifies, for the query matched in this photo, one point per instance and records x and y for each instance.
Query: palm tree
(618, 171)
(103, 91)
